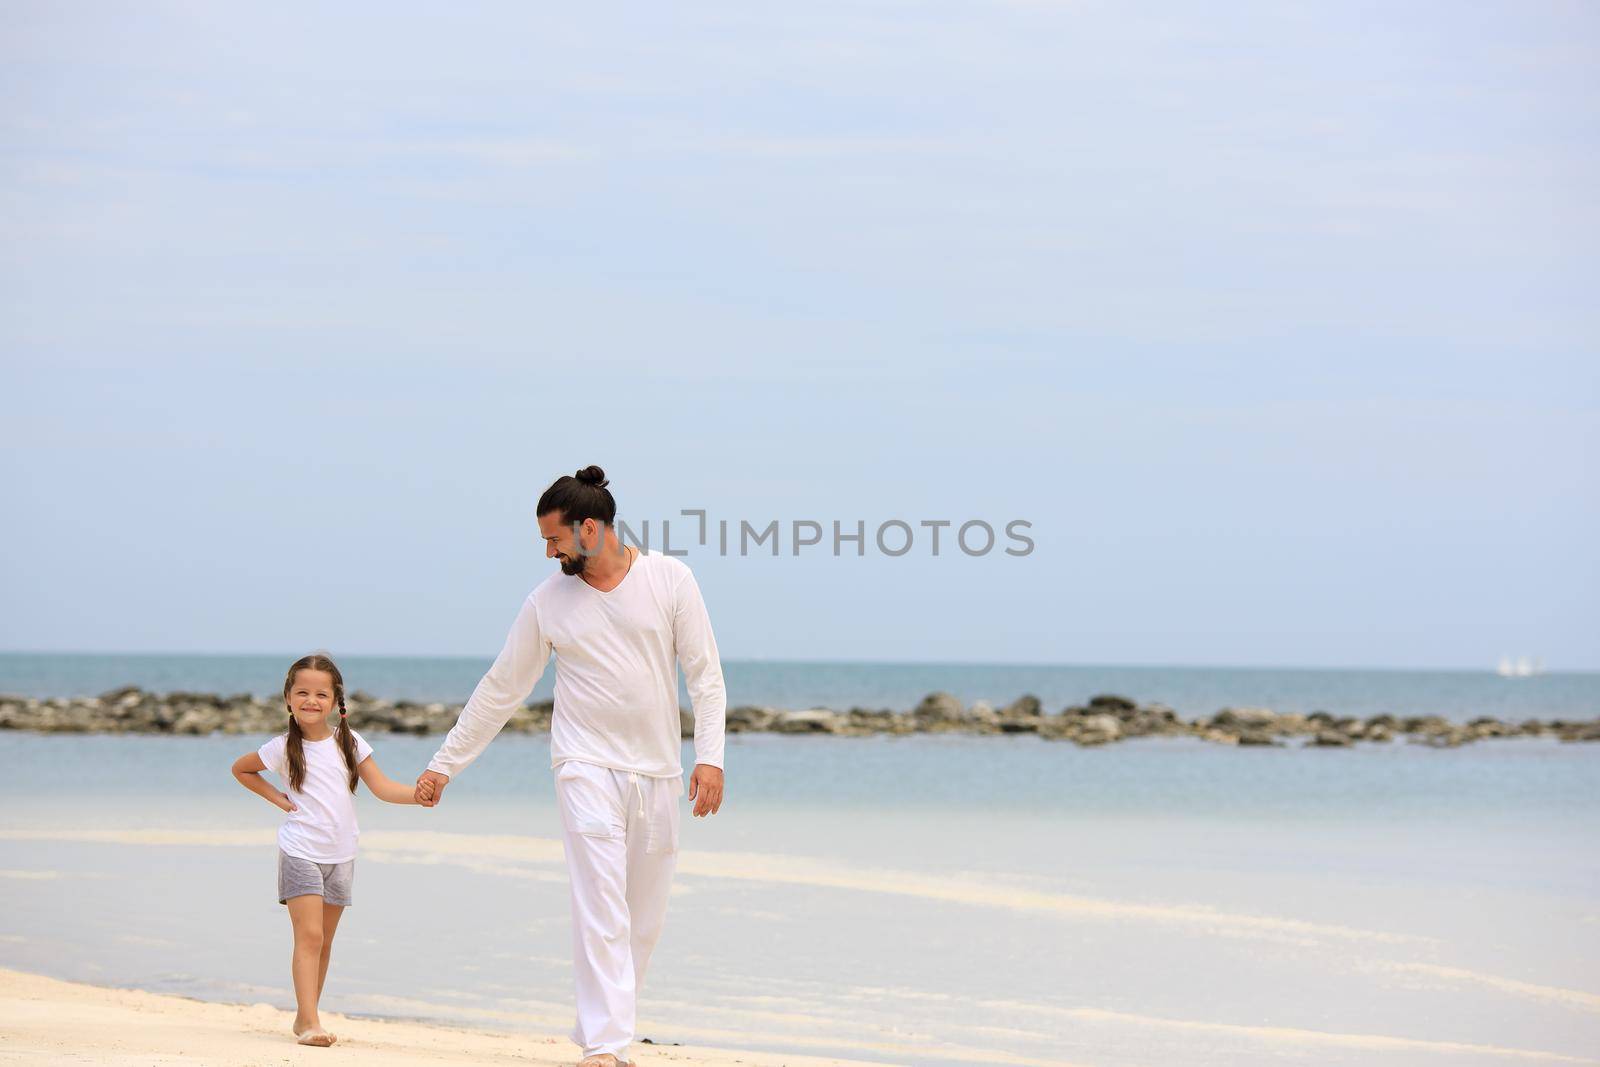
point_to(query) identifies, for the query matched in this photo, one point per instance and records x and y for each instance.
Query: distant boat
(1521, 667)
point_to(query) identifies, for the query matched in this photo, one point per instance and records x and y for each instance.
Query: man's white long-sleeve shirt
(617, 656)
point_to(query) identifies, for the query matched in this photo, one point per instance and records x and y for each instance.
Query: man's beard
(573, 566)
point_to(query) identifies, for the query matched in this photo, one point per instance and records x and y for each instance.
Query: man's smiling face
(559, 543)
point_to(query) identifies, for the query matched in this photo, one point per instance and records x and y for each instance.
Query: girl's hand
(247, 770)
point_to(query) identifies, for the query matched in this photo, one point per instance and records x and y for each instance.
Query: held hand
(705, 789)
(285, 803)
(430, 788)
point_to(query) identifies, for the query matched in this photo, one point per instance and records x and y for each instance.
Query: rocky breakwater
(1102, 720)
(134, 711)
(1109, 718)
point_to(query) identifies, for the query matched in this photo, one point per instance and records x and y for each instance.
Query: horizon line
(799, 662)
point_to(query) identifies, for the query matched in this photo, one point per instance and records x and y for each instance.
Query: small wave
(771, 869)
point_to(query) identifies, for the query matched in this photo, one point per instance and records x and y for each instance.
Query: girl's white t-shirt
(323, 829)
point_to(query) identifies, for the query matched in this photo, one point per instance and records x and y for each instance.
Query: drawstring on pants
(634, 778)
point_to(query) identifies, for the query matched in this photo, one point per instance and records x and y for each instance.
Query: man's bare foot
(604, 1059)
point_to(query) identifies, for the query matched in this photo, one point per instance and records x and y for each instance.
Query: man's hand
(705, 789)
(430, 787)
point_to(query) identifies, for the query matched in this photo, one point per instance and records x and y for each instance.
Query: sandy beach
(49, 1021)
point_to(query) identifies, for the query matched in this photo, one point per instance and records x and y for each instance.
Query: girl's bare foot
(303, 1030)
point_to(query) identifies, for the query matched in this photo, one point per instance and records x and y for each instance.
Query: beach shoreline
(48, 1018)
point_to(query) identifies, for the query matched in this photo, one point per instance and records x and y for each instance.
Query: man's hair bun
(580, 497)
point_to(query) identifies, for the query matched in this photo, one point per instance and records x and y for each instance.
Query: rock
(377, 717)
(1580, 731)
(813, 721)
(127, 696)
(1084, 730)
(128, 712)
(867, 721)
(746, 717)
(982, 715)
(685, 723)
(1152, 719)
(1054, 728)
(1023, 715)
(1449, 737)
(938, 709)
(1331, 739)
(1112, 703)
(1026, 706)
(1259, 737)
(198, 721)
(1239, 719)
(1019, 726)
(1425, 724)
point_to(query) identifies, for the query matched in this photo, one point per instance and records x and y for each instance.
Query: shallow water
(936, 900)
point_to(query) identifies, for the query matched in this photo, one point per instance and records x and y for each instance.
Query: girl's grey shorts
(330, 881)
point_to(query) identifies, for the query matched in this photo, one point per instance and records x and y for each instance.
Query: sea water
(937, 900)
(1192, 691)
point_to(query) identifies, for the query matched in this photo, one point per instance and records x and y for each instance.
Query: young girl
(317, 842)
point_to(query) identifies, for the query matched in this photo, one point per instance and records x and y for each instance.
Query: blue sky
(1276, 322)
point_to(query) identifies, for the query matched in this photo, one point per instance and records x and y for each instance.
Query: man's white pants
(621, 840)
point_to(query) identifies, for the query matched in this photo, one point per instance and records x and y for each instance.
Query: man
(617, 619)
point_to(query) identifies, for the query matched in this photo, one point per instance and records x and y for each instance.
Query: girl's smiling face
(311, 699)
